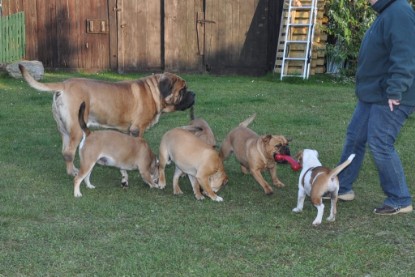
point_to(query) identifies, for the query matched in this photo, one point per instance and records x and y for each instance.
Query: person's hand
(393, 102)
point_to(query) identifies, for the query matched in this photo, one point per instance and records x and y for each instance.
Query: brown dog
(129, 106)
(192, 156)
(201, 129)
(315, 180)
(255, 153)
(113, 148)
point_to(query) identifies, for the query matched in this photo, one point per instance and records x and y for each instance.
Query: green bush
(348, 21)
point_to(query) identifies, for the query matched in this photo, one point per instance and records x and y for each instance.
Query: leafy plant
(348, 20)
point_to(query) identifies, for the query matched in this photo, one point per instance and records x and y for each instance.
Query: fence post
(12, 37)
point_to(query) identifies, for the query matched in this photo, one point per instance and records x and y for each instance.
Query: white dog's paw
(77, 194)
(218, 199)
(90, 186)
(331, 218)
(316, 222)
(297, 210)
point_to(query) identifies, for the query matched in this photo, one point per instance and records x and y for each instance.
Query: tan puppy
(255, 153)
(192, 156)
(129, 106)
(201, 129)
(113, 148)
(315, 180)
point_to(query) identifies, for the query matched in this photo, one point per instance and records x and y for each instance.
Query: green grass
(45, 231)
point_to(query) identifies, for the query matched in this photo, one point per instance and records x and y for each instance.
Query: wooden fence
(12, 37)
(232, 36)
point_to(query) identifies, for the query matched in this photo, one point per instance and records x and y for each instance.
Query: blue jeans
(378, 127)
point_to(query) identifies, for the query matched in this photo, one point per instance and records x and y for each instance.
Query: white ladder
(289, 41)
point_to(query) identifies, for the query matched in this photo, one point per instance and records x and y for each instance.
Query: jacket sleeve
(399, 37)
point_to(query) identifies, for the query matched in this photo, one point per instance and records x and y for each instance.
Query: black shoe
(388, 210)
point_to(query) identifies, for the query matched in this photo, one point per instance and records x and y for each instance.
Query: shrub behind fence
(12, 37)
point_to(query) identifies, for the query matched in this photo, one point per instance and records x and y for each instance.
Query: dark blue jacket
(386, 62)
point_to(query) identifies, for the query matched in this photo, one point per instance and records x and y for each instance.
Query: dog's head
(307, 157)
(218, 180)
(154, 169)
(173, 91)
(276, 144)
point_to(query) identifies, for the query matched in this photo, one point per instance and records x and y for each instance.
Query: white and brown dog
(315, 180)
(112, 148)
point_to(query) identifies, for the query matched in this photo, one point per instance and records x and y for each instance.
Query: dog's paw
(124, 184)
(316, 222)
(77, 194)
(331, 218)
(297, 210)
(200, 197)
(90, 186)
(218, 199)
(161, 186)
(279, 184)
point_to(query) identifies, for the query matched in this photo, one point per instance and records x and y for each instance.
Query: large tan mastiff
(129, 106)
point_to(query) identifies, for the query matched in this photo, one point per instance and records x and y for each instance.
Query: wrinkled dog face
(276, 145)
(174, 91)
(218, 180)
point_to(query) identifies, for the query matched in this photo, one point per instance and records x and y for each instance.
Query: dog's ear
(299, 156)
(266, 138)
(165, 85)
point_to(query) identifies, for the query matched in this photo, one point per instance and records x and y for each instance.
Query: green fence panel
(12, 37)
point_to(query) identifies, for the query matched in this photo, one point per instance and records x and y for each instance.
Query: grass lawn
(45, 231)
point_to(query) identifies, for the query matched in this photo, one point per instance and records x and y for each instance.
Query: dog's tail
(37, 85)
(81, 119)
(247, 121)
(334, 172)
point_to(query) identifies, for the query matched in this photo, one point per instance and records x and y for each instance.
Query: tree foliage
(348, 21)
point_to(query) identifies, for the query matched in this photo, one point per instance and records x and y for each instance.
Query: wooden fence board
(238, 36)
(12, 37)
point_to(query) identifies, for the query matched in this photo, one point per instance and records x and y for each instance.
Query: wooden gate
(233, 36)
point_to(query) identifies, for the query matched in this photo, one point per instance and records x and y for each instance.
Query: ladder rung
(295, 59)
(302, 8)
(297, 41)
(299, 25)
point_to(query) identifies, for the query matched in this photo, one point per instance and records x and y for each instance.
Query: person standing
(385, 89)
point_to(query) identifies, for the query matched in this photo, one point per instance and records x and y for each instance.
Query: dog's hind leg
(333, 208)
(124, 178)
(84, 174)
(176, 177)
(62, 118)
(87, 180)
(320, 211)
